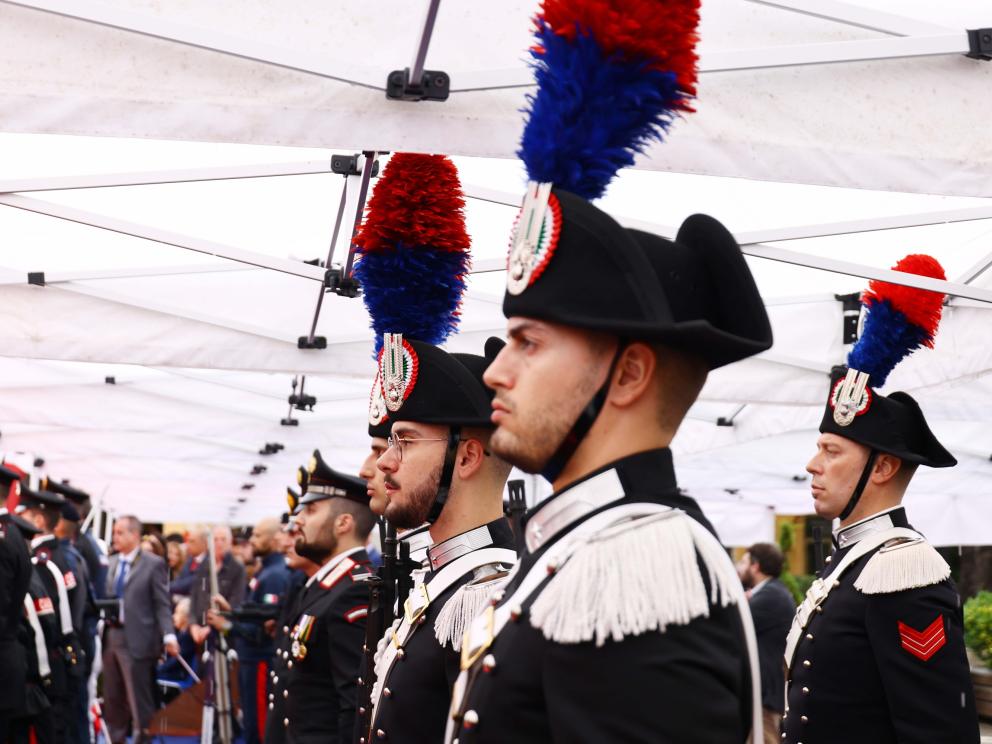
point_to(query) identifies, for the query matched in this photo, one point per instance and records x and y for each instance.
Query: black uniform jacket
(276, 722)
(415, 710)
(48, 550)
(687, 685)
(882, 668)
(326, 650)
(15, 574)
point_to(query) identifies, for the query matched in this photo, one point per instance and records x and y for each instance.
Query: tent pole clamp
(364, 166)
(980, 43)
(414, 83)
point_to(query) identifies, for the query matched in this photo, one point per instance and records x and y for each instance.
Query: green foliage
(786, 539)
(797, 584)
(978, 625)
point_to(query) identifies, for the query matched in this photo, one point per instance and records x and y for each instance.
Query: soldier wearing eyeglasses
(437, 469)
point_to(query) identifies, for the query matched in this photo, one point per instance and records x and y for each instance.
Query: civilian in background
(152, 543)
(175, 554)
(134, 639)
(196, 550)
(772, 609)
(231, 583)
(171, 670)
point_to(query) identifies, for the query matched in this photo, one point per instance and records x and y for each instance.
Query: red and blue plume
(898, 320)
(611, 76)
(413, 249)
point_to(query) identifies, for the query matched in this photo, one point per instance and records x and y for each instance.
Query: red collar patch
(923, 643)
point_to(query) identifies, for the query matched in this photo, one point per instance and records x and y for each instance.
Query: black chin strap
(859, 489)
(447, 473)
(559, 459)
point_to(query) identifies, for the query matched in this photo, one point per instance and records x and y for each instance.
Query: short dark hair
(364, 518)
(175, 537)
(132, 522)
(769, 558)
(50, 517)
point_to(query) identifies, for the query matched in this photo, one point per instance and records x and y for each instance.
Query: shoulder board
(468, 601)
(636, 576)
(337, 573)
(900, 565)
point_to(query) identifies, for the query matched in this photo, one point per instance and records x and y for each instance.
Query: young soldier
(876, 651)
(625, 620)
(438, 469)
(325, 642)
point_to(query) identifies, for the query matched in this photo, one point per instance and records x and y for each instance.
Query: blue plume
(886, 339)
(415, 291)
(592, 112)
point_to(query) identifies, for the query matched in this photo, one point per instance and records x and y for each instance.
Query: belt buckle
(470, 656)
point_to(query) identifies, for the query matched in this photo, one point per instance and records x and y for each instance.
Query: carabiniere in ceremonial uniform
(876, 652)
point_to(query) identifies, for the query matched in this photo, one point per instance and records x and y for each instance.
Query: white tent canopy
(203, 349)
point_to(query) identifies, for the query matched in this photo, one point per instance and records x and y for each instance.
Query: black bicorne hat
(892, 423)
(74, 495)
(326, 483)
(27, 529)
(426, 384)
(587, 271)
(8, 476)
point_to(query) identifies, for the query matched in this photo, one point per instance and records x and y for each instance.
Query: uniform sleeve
(239, 586)
(682, 686)
(346, 633)
(161, 605)
(273, 586)
(917, 639)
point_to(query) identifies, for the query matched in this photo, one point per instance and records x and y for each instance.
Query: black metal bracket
(271, 448)
(347, 165)
(851, 304)
(434, 85)
(343, 286)
(37, 278)
(729, 420)
(980, 43)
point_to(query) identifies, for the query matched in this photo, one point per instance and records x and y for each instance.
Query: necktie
(121, 578)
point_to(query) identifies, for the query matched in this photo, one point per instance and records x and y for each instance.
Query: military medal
(301, 634)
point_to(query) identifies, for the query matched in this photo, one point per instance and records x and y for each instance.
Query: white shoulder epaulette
(468, 601)
(902, 564)
(638, 575)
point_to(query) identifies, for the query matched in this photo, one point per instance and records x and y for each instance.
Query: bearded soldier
(438, 469)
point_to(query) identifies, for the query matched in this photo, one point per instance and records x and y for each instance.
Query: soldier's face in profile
(412, 472)
(836, 468)
(544, 376)
(316, 539)
(375, 478)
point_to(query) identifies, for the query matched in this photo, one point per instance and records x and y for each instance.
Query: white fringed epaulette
(902, 564)
(635, 576)
(458, 612)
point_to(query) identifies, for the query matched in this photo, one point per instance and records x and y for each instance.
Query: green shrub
(978, 625)
(797, 584)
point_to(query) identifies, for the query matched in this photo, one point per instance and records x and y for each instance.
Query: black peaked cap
(40, 499)
(8, 476)
(892, 423)
(27, 529)
(64, 489)
(69, 512)
(445, 391)
(694, 293)
(325, 482)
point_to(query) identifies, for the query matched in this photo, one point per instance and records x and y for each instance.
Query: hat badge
(397, 370)
(377, 402)
(851, 397)
(535, 237)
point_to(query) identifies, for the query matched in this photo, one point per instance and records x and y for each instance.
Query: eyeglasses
(400, 443)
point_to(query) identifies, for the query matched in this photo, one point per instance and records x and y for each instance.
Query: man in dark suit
(196, 549)
(772, 609)
(134, 639)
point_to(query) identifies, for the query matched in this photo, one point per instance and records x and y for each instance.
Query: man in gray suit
(134, 639)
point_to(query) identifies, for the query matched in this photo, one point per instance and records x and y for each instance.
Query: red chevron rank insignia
(923, 643)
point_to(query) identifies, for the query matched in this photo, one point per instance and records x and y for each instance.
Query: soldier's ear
(886, 468)
(633, 375)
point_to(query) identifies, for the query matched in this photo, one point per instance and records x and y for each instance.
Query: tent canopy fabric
(203, 350)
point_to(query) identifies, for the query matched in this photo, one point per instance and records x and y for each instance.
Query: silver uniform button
(804, 719)
(809, 636)
(471, 719)
(380, 733)
(285, 722)
(807, 663)
(285, 694)
(805, 691)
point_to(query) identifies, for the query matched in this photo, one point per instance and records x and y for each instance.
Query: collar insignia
(535, 238)
(851, 397)
(398, 365)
